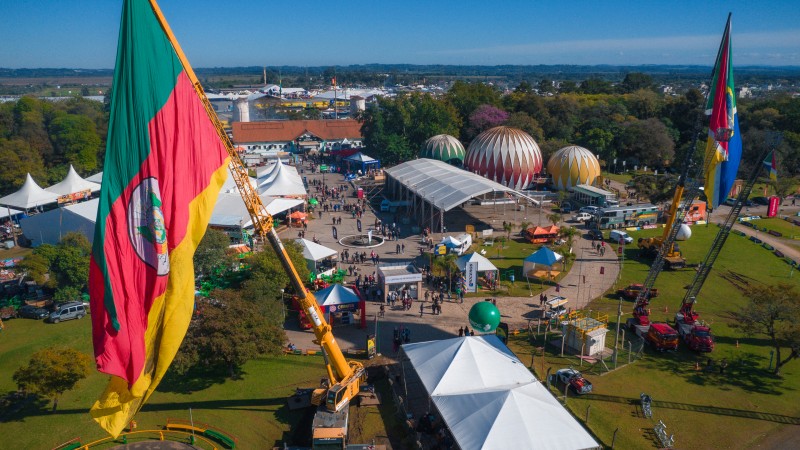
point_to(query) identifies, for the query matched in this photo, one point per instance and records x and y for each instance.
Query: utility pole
(616, 336)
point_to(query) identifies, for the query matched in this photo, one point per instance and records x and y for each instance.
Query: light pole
(283, 306)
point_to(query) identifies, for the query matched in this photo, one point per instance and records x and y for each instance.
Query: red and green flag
(772, 166)
(164, 166)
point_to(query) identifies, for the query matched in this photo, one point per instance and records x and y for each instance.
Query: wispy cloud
(772, 45)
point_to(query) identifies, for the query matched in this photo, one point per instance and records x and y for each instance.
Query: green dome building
(443, 147)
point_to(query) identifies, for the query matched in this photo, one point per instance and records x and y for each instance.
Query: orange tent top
(545, 230)
(298, 215)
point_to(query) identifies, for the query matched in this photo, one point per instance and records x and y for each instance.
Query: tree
(555, 218)
(507, 227)
(70, 263)
(212, 252)
(635, 81)
(484, 118)
(227, 332)
(466, 97)
(526, 123)
(446, 264)
(773, 311)
(53, 371)
(596, 86)
(648, 141)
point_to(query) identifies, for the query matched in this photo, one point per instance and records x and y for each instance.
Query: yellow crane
(345, 377)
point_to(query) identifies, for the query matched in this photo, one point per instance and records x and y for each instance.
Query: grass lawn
(252, 408)
(702, 409)
(786, 228)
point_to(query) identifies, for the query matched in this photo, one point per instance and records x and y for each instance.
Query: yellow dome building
(571, 166)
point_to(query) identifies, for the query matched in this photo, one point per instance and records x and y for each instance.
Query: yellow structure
(571, 166)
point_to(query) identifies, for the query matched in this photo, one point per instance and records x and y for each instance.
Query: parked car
(760, 200)
(596, 234)
(67, 311)
(589, 209)
(574, 380)
(582, 217)
(619, 235)
(33, 312)
(729, 201)
(566, 207)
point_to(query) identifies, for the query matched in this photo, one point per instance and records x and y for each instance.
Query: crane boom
(342, 373)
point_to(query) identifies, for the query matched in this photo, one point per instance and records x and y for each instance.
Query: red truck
(695, 333)
(631, 291)
(662, 337)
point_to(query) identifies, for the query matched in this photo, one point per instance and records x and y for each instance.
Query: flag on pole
(772, 166)
(724, 146)
(164, 166)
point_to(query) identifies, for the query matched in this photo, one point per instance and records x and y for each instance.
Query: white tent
(281, 181)
(230, 209)
(490, 400)
(450, 241)
(333, 297)
(30, 195)
(484, 264)
(96, 178)
(6, 212)
(72, 183)
(315, 252)
(49, 227)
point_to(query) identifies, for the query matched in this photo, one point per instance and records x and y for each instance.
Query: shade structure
(315, 252)
(360, 161)
(450, 241)
(443, 147)
(334, 298)
(506, 155)
(543, 257)
(50, 226)
(9, 212)
(281, 181)
(72, 184)
(96, 178)
(483, 263)
(490, 400)
(573, 165)
(30, 195)
(230, 209)
(298, 215)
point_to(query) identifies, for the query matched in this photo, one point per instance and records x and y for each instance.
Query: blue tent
(362, 162)
(543, 256)
(337, 298)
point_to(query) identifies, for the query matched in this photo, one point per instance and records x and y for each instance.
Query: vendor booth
(541, 235)
(361, 162)
(339, 303)
(458, 245)
(298, 218)
(402, 279)
(540, 264)
(478, 271)
(320, 259)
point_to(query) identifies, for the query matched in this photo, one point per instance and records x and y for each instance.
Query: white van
(619, 235)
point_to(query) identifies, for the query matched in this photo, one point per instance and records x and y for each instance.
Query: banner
(472, 277)
(774, 204)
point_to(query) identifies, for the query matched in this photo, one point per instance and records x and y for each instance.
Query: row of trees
(630, 122)
(43, 138)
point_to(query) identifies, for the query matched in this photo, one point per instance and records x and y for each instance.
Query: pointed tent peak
(336, 294)
(315, 252)
(544, 256)
(483, 263)
(30, 195)
(73, 183)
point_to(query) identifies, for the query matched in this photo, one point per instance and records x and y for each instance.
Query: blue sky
(83, 33)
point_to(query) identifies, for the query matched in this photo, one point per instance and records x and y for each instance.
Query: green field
(702, 409)
(252, 408)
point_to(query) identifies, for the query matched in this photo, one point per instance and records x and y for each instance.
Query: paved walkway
(580, 286)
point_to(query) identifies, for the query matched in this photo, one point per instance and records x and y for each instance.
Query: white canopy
(315, 252)
(72, 183)
(483, 263)
(30, 195)
(230, 209)
(490, 400)
(450, 241)
(96, 178)
(278, 180)
(6, 212)
(49, 227)
(335, 294)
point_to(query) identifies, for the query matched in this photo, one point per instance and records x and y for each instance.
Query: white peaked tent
(6, 212)
(278, 180)
(315, 252)
(230, 209)
(484, 264)
(72, 183)
(331, 298)
(30, 195)
(490, 400)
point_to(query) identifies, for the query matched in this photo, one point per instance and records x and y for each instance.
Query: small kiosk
(399, 278)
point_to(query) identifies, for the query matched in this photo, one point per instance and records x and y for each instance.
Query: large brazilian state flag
(165, 163)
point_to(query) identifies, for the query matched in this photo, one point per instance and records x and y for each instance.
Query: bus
(625, 216)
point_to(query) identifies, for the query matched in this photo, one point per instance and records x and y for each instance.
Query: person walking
(421, 308)
(382, 311)
(460, 332)
(403, 248)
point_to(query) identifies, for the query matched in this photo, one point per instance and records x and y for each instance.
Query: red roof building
(260, 135)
